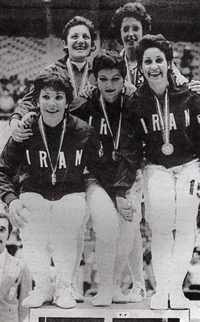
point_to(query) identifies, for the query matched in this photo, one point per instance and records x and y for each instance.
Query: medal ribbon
(73, 78)
(128, 75)
(164, 123)
(42, 131)
(117, 137)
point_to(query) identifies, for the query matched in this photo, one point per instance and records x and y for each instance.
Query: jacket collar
(173, 88)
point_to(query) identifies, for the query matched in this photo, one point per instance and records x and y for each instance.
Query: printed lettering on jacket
(155, 122)
(62, 163)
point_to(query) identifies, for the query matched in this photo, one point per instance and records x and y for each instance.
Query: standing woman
(166, 118)
(130, 23)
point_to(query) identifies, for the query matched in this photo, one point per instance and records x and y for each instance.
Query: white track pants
(52, 231)
(106, 226)
(129, 250)
(171, 200)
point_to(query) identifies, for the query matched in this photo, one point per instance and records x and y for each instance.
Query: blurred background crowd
(30, 40)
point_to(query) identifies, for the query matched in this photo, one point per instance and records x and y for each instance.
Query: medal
(167, 149)
(43, 134)
(12, 293)
(73, 78)
(53, 178)
(114, 156)
(101, 153)
(117, 137)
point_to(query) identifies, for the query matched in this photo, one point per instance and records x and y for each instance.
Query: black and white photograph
(100, 161)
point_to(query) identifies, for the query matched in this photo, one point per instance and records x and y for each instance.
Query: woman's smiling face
(78, 43)
(52, 104)
(155, 66)
(131, 32)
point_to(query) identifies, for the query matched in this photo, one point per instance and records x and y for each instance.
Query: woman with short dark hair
(167, 119)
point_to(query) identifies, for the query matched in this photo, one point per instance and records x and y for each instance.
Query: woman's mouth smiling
(52, 111)
(155, 74)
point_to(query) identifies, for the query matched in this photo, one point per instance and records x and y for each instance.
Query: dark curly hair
(56, 81)
(109, 60)
(10, 227)
(78, 20)
(135, 10)
(158, 41)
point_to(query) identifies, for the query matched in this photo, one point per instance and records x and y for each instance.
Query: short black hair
(79, 20)
(54, 80)
(135, 10)
(5, 215)
(158, 41)
(109, 60)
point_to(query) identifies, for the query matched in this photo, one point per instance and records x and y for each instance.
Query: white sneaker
(104, 296)
(37, 297)
(137, 294)
(118, 296)
(76, 294)
(65, 299)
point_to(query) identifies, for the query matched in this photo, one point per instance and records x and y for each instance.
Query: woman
(166, 118)
(130, 23)
(78, 40)
(104, 110)
(52, 199)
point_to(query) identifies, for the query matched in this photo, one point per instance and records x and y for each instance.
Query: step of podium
(131, 312)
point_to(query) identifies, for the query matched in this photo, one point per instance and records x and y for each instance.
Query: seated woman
(51, 206)
(166, 118)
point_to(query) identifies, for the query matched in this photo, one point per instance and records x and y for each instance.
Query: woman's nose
(108, 83)
(52, 102)
(154, 65)
(131, 32)
(80, 39)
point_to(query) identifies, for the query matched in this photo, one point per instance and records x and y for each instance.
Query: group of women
(132, 128)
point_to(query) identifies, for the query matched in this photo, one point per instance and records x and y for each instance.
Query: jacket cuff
(7, 198)
(15, 116)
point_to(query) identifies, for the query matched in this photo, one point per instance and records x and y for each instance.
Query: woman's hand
(28, 119)
(88, 89)
(19, 130)
(180, 79)
(129, 88)
(125, 208)
(17, 213)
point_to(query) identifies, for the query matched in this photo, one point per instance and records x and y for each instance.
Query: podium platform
(131, 312)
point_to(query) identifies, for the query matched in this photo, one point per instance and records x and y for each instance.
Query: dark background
(176, 19)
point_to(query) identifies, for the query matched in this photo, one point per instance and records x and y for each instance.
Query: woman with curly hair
(166, 118)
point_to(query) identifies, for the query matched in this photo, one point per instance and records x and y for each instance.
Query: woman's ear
(93, 47)
(65, 45)
(169, 65)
